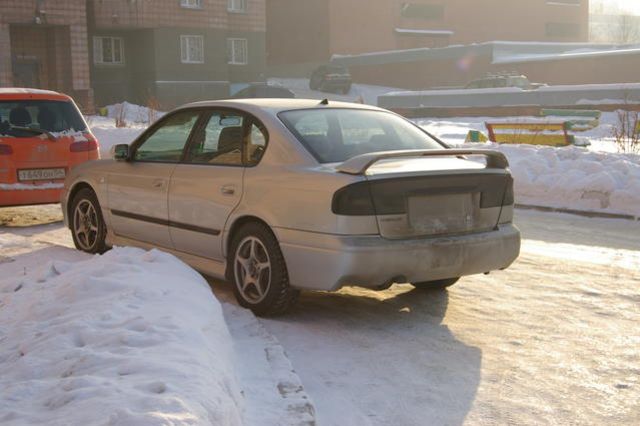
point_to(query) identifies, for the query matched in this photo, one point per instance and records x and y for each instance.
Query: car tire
(258, 271)
(88, 229)
(436, 285)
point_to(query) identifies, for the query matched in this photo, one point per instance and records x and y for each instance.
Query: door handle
(158, 183)
(228, 189)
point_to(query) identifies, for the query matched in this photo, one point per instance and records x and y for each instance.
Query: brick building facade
(311, 31)
(45, 44)
(171, 51)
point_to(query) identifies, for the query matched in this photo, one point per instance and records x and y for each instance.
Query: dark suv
(331, 78)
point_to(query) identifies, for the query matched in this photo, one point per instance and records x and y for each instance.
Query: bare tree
(628, 29)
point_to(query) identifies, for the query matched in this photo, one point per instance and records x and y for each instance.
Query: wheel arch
(238, 223)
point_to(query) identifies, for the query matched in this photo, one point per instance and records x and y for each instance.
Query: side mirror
(120, 152)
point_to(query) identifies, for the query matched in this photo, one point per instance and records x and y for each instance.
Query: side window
(167, 142)
(256, 144)
(218, 141)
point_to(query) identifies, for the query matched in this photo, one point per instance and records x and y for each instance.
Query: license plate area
(41, 174)
(443, 213)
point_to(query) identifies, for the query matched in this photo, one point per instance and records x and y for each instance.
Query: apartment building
(168, 51)
(45, 44)
(174, 51)
(310, 31)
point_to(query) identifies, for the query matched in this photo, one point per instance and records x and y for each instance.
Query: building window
(192, 49)
(108, 50)
(191, 4)
(237, 51)
(422, 11)
(237, 6)
(561, 29)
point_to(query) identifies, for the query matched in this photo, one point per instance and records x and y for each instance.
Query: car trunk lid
(435, 193)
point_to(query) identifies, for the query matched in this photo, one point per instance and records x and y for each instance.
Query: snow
(598, 179)
(551, 340)
(108, 135)
(94, 341)
(130, 337)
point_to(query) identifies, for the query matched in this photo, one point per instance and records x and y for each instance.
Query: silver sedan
(283, 195)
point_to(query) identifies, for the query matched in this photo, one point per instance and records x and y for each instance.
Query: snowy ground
(130, 337)
(552, 340)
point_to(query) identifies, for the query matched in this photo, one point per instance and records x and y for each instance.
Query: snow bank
(130, 337)
(108, 134)
(132, 113)
(573, 178)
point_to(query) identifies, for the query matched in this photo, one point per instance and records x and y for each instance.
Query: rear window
(335, 135)
(17, 117)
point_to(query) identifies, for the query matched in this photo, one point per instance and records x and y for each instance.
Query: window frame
(231, 59)
(187, 37)
(232, 8)
(101, 62)
(248, 121)
(133, 147)
(299, 139)
(191, 4)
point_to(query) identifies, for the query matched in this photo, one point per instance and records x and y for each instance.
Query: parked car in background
(503, 80)
(282, 195)
(42, 136)
(263, 90)
(331, 78)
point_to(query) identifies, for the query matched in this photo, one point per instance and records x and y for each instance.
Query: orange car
(42, 135)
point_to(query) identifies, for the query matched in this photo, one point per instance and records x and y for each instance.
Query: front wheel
(88, 228)
(436, 285)
(258, 271)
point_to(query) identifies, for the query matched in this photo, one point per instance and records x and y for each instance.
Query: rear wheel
(436, 285)
(87, 225)
(258, 271)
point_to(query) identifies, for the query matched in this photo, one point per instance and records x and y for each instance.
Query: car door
(137, 190)
(208, 184)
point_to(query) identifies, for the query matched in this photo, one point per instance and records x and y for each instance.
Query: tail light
(83, 146)
(353, 200)
(6, 149)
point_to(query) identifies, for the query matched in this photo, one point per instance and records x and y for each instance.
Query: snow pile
(573, 178)
(108, 135)
(132, 113)
(130, 337)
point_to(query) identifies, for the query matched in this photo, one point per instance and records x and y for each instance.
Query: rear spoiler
(359, 164)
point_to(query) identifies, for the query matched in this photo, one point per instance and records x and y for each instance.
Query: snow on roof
(424, 32)
(576, 54)
(498, 50)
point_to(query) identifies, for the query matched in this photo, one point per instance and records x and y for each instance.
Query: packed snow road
(555, 339)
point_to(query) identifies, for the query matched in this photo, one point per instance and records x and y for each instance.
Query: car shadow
(389, 354)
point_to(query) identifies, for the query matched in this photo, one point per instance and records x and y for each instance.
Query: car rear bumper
(328, 262)
(22, 194)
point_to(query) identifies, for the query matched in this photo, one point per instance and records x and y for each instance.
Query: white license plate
(41, 174)
(445, 213)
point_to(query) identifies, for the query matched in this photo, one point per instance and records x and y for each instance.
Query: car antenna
(325, 101)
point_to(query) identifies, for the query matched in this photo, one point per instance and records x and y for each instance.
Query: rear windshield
(50, 116)
(335, 135)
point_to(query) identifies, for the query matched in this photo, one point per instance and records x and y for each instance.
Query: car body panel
(201, 198)
(292, 193)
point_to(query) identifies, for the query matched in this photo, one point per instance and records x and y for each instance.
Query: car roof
(23, 93)
(276, 105)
